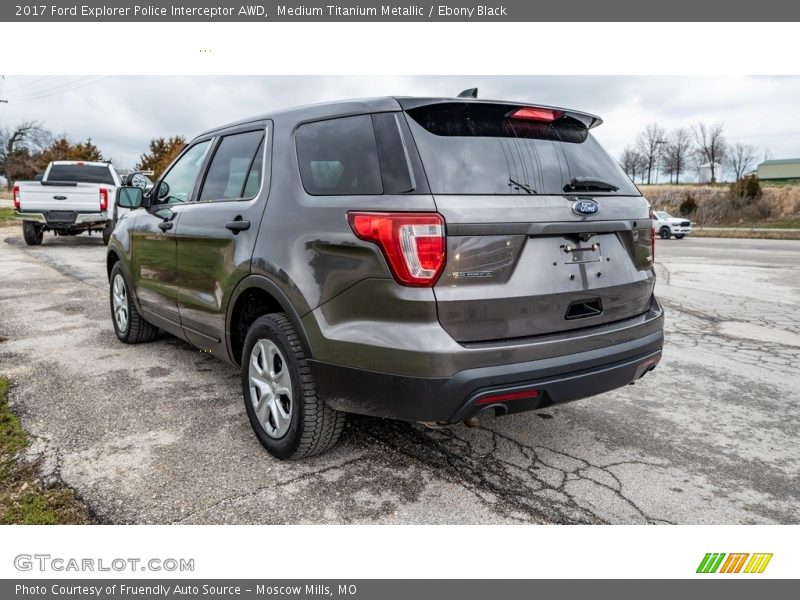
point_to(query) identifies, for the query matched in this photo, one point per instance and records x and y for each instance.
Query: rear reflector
(413, 243)
(16, 197)
(529, 113)
(505, 397)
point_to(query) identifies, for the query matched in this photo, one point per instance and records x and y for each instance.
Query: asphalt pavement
(157, 433)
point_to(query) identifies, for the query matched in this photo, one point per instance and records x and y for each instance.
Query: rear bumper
(75, 219)
(554, 380)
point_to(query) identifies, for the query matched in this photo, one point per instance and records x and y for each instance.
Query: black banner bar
(397, 589)
(398, 11)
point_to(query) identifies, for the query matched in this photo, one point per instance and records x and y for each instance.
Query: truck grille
(685, 223)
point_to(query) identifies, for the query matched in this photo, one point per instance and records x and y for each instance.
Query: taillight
(530, 113)
(652, 236)
(103, 199)
(16, 197)
(413, 243)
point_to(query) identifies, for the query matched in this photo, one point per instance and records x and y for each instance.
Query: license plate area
(580, 253)
(61, 216)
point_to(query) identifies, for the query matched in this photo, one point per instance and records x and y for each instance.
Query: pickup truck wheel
(32, 232)
(107, 231)
(665, 233)
(129, 325)
(280, 397)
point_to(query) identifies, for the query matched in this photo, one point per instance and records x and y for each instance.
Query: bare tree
(710, 146)
(677, 153)
(629, 161)
(650, 145)
(18, 147)
(741, 158)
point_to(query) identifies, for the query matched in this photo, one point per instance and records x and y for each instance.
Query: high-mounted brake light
(412, 243)
(530, 113)
(16, 197)
(103, 199)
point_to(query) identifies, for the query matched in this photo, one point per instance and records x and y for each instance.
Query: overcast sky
(121, 114)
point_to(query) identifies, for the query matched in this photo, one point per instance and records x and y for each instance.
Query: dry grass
(745, 233)
(716, 206)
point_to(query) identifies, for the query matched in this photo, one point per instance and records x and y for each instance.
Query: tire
(680, 236)
(134, 329)
(665, 233)
(290, 421)
(107, 231)
(33, 233)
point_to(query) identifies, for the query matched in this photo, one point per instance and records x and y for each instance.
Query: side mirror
(38, 177)
(130, 197)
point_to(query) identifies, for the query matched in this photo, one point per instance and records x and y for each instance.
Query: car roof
(357, 106)
(322, 110)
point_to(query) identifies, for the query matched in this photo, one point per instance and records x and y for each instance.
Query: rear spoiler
(589, 120)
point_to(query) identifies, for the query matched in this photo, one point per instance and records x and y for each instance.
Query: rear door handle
(237, 226)
(164, 226)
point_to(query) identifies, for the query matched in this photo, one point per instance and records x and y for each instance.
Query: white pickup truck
(666, 226)
(72, 197)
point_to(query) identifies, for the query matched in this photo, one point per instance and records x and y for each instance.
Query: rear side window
(235, 170)
(81, 174)
(339, 157)
(473, 148)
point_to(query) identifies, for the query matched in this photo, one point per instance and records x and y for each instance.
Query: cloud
(121, 114)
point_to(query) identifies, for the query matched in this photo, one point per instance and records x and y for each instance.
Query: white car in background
(666, 226)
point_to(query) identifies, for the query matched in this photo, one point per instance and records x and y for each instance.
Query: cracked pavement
(157, 433)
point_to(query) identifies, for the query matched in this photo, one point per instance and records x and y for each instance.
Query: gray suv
(425, 259)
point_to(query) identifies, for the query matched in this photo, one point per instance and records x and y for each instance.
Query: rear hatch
(545, 232)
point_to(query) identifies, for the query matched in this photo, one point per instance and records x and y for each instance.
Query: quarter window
(339, 157)
(235, 170)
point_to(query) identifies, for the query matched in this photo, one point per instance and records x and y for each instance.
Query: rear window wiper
(521, 186)
(589, 184)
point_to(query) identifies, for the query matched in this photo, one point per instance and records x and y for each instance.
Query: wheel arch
(254, 297)
(112, 258)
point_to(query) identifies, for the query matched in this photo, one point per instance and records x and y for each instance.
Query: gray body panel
(340, 292)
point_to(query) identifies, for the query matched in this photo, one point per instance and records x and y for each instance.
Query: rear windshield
(81, 174)
(478, 149)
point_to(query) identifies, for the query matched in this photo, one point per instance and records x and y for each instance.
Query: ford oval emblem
(585, 208)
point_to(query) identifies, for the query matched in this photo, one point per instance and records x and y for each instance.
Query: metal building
(779, 170)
